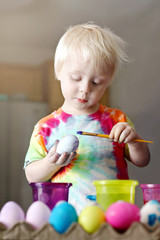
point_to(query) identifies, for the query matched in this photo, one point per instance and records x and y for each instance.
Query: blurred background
(29, 33)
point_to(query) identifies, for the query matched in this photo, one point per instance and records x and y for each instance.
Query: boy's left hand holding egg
(59, 159)
(138, 152)
(43, 170)
(63, 151)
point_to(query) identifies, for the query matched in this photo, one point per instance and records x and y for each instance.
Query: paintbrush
(107, 136)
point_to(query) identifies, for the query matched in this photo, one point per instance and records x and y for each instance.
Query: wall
(33, 83)
(136, 89)
(16, 125)
(16, 79)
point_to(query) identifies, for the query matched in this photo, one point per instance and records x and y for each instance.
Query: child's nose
(85, 88)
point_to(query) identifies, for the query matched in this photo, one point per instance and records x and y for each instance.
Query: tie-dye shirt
(96, 159)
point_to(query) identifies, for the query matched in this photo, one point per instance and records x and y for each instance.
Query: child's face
(82, 85)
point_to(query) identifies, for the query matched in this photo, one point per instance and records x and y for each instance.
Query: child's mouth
(82, 100)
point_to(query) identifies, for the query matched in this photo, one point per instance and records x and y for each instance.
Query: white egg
(67, 144)
(150, 214)
(38, 214)
(11, 213)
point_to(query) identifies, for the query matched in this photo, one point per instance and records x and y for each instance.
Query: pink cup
(50, 193)
(150, 192)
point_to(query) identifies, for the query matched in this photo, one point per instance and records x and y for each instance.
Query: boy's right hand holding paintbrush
(138, 152)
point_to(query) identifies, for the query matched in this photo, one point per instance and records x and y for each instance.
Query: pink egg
(11, 213)
(38, 214)
(120, 215)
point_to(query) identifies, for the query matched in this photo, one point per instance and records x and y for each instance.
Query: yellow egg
(91, 218)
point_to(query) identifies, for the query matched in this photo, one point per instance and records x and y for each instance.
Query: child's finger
(52, 157)
(55, 144)
(130, 137)
(124, 134)
(69, 159)
(116, 131)
(112, 133)
(60, 161)
(54, 147)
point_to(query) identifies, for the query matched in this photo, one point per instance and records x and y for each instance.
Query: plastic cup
(110, 191)
(150, 192)
(50, 193)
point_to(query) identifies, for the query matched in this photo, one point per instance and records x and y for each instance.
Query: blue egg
(62, 216)
(150, 214)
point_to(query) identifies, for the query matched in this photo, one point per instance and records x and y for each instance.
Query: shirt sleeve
(37, 149)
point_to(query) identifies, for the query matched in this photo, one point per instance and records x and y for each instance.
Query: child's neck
(74, 111)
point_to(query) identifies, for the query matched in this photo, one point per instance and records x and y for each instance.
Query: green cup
(110, 191)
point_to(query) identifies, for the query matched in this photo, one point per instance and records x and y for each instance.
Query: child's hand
(123, 132)
(61, 160)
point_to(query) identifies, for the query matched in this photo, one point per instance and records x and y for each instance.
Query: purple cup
(150, 192)
(50, 193)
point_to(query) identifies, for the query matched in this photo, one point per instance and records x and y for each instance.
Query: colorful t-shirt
(96, 159)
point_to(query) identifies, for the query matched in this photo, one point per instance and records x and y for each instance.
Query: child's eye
(95, 83)
(76, 78)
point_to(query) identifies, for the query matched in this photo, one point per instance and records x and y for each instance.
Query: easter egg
(150, 214)
(11, 213)
(120, 215)
(67, 144)
(62, 216)
(38, 214)
(91, 218)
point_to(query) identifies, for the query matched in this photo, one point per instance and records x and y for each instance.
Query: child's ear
(57, 76)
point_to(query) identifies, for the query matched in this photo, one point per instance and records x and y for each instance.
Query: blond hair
(101, 45)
